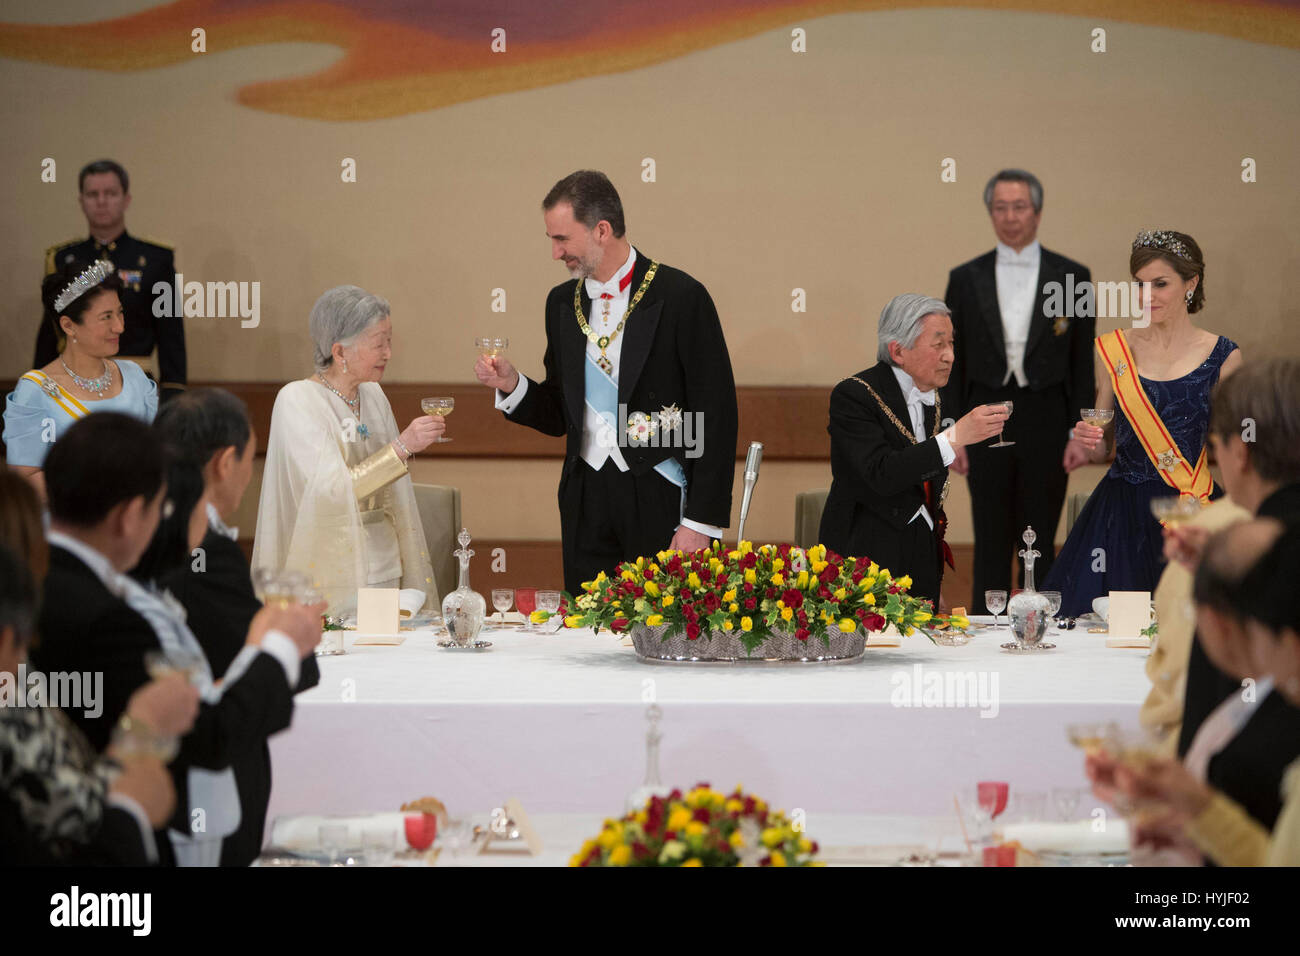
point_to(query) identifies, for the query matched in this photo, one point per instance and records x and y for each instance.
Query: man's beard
(584, 268)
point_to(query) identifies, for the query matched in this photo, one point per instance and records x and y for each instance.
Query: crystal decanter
(1029, 610)
(464, 610)
(650, 787)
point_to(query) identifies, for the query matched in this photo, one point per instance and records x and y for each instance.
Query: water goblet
(1002, 442)
(439, 405)
(333, 840)
(995, 601)
(526, 602)
(548, 601)
(502, 599)
(1053, 605)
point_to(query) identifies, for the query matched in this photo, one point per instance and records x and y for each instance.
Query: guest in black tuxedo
(106, 491)
(209, 428)
(628, 342)
(1012, 344)
(1262, 474)
(105, 194)
(60, 801)
(889, 458)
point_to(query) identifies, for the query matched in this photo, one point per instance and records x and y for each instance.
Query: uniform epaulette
(153, 242)
(51, 252)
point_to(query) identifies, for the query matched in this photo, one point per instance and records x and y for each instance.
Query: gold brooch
(1121, 368)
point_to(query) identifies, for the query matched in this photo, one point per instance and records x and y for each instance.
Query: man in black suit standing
(1017, 342)
(889, 454)
(210, 428)
(104, 191)
(639, 379)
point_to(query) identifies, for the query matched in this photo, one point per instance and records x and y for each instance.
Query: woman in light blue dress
(46, 401)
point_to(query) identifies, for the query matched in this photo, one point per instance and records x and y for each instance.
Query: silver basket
(724, 647)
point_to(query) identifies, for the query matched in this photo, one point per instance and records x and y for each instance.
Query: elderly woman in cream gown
(337, 502)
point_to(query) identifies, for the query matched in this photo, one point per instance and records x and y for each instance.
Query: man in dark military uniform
(105, 195)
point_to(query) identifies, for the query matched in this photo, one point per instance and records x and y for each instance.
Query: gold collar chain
(602, 341)
(907, 432)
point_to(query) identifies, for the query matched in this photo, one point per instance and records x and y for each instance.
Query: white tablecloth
(559, 722)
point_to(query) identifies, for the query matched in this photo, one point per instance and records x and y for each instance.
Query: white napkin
(409, 601)
(1077, 837)
(302, 833)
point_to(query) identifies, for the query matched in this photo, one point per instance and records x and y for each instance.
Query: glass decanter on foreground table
(463, 610)
(1029, 609)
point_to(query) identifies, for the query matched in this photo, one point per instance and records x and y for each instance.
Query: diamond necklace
(352, 403)
(96, 385)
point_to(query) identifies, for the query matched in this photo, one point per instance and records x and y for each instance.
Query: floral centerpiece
(702, 827)
(812, 604)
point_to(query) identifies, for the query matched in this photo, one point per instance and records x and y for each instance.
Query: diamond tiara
(91, 277)
(1162, 239)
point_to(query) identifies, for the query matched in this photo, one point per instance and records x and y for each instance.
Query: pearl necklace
(97, 386)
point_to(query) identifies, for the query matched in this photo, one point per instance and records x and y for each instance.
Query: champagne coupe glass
(995, 601)
(502, 598)
(1174, 510)
(491, 346)
(548, 601)
(442, 405)
(526, 602)
(1097, 417)
(1002, 442)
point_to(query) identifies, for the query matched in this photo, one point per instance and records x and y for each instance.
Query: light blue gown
(35, 420)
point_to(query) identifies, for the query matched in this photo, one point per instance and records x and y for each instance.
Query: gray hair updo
(901, 321)
(340, 315)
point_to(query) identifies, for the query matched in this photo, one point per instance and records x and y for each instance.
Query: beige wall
(774, 171)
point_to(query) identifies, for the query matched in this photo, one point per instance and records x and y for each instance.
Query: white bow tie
(916, 395)
(596, 289)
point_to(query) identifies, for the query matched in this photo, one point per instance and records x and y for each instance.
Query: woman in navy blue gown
(1116, 544)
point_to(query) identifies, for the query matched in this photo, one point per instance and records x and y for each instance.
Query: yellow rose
(819, 566)
(777, 858)
(786, 614)
(905, 581)
(922, 616)
(601, 578)
(750, 576)
(746, 547)
(693, 580)
(736, 840)
(778, 564)
(848, 625)
(640, 562)
(771, 837)
(652, 589)
(610, 838)
(733, 607)
(734, 806)
(805, 845)
(840, 594)
(628, 574)
(746, 624)
(621, 855)
(668, 600)
(727, 625)
(801, 581)
(960, 621)
(573, 620)
(874, 569)
(777, 579)
(868, 598)
(654, 620)
(695, 828)
(678, 818)
(693, 861)
(729, 594)
(538, 617)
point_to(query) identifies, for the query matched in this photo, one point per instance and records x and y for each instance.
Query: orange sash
(1192, 481)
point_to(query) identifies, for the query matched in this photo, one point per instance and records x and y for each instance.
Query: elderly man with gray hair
(889, 458)
(337, 503)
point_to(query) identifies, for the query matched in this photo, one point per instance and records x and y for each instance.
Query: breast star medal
(1061, 325)
(1167, 460)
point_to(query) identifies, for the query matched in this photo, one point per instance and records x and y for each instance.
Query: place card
(1128, 641)
(511, 831)
(1129, 613)
(377, 611)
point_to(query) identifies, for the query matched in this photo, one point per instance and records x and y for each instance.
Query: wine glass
(526, 602)
(502, 598)
(1053, 604)
(995, 601)
(441, 405)
(1066, 801)
(548, 601)
(1002, 442)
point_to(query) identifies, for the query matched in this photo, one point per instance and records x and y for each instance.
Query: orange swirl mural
(402, 57)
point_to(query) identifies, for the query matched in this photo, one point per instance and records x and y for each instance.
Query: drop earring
(1189, 297)
(345, 361)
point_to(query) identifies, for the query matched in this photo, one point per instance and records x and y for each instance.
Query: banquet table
(559, 722)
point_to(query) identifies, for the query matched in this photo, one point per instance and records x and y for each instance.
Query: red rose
(639, 849)
(829, 574)
(750, 604)
(702, 814)
(874, 622)
(793, 598)
(802, 633)
(648, 574)
(692, 631)
(748, 587)
(721, 576)
(618, 624)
